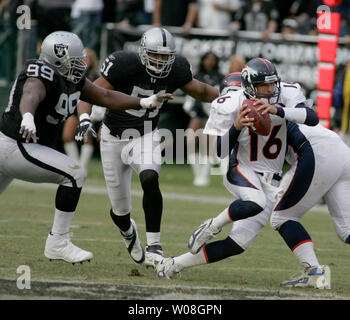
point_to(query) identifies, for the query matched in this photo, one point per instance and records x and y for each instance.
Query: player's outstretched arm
(102, 95)
(200, 90)
(33, 93)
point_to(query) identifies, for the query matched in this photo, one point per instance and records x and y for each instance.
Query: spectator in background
(89, 14)
(135, 12)
(257, 15)
(344, 10)
(148, 8)
(341, 103)
(198, 154)
(305, 12)
(289, 26)
(283, 8)
(236, 64)
(216, 14)
(109, 12)
(53, 15)
(71, 124)
(175, 13)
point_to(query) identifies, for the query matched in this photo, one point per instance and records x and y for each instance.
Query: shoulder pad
(229, 102)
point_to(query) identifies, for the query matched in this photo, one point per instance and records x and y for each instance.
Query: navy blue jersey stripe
(235, 177)
(302, 179)
(45, 165)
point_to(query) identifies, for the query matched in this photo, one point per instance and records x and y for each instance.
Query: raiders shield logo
(60, 50)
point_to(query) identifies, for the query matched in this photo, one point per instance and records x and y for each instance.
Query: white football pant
(120, 157)
(36, 163)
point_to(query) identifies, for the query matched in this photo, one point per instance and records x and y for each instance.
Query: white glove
(83, 128)
(28, 128)
(150, 102)
(155, 101)
(188, 104)
(97, 113)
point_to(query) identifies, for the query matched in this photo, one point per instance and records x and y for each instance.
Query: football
(262, 123)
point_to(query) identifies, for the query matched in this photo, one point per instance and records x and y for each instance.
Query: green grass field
(27, 214)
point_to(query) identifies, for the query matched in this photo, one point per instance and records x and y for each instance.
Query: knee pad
(149, 179)
(241, 209)
(75, 177)
(347, 240)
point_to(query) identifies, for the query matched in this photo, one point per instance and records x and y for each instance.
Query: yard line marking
(166, 195)
(277, 294)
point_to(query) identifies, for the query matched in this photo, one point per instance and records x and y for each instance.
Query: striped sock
(299, 241)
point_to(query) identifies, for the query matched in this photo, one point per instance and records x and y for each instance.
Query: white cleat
(202, 235)
(154, 254)
(60, 247)
(167, 268)
(311, 277)
(133, 244)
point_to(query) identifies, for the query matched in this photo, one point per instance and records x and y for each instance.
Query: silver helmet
(65, 52)
(157, 41)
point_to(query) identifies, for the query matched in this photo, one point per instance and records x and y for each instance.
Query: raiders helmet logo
(60, 50)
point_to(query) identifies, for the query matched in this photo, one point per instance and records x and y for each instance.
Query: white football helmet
(157, 41)
(65, 52)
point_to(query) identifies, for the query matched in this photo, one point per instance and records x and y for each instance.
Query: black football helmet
(232, 81)
(258, 71)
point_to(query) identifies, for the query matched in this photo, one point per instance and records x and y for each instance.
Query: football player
(44, 94)
(154, 69)
(255, 162)
(320, 168)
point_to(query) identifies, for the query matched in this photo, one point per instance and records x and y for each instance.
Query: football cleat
(60, 247)
(202, 235)
(311, 277)
(167, 268)
(133, 244)
(154, 254)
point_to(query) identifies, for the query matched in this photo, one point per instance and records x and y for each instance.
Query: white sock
(222, 219)
(153, 238)
(71, 150)
(305, 254)
(204, 165)
(190, 260)
(61, 222)
(86, 153)
(193, 160)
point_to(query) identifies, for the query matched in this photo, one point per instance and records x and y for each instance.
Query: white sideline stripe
(166, 195)
(275, 294)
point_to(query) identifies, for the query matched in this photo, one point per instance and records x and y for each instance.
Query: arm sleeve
(300, 114)
(296, 107)
(226, 143)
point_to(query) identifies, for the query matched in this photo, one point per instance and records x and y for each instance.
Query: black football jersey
(125, 72)
(59, 103)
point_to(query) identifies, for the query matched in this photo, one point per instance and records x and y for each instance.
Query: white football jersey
(261, 153)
